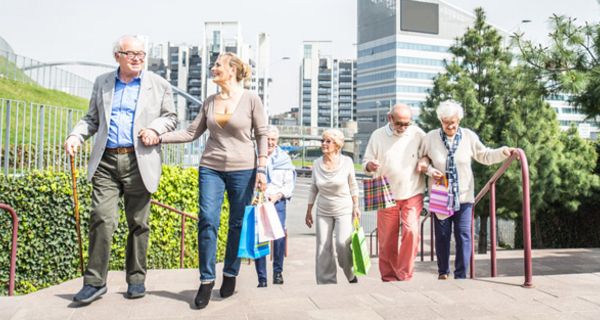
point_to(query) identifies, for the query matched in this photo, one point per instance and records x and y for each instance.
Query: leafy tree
(504, 103)
(570, 63)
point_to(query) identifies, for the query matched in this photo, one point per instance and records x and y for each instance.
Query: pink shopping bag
(440, 198)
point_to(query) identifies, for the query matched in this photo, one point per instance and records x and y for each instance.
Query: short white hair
(272, 129)
(117, 46)
(448, 109)
(336, 135)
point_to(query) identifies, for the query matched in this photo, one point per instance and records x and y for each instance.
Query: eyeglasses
(402, 124)
(133, 54)
(326, 141)
(449, 123)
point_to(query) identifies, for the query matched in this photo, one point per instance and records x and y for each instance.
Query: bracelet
(261, 170)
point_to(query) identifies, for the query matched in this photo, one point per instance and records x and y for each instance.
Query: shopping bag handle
(441, 181)
(258, 198)
(356, 223)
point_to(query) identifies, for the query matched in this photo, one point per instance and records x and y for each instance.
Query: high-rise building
(219, 36)
(172, 63)
(345, 93)
(194, 82)
(326, 87)
(263, 74)
(568, 115)
(401, 47)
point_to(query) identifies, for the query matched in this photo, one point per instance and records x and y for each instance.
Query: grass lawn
(33, 93)
(24, 111)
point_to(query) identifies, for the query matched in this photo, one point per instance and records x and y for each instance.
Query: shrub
(47, 251)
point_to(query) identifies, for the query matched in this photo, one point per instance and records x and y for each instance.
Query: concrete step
(567, 286)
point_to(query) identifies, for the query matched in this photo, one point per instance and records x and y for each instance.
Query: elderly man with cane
(129, 110)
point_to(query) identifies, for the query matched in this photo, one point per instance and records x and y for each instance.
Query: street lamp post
(377, 106)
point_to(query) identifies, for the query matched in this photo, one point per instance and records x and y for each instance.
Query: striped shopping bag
(440, 198)
(377, 194)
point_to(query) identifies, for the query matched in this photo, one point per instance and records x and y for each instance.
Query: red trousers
(397, 263)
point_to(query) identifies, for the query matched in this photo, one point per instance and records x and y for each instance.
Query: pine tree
(570, 63)
(504, 104)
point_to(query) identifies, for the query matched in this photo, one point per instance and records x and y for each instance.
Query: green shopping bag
(360, 254)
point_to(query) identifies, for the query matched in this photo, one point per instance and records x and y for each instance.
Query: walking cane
(76, 201)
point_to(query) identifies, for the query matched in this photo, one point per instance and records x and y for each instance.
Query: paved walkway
(567, 286)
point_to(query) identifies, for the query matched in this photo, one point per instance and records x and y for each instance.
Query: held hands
(149, 137)
(423, 164)
(373, 165)
(72, 145)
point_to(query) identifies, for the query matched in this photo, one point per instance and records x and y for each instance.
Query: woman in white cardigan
(450, 150)
(334, 186)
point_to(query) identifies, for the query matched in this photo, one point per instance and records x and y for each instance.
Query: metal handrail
(431, 236)
(13, 252)
(184, 216)
(375, 234)
(490, 187)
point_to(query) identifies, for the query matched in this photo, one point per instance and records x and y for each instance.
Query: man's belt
(120, 150)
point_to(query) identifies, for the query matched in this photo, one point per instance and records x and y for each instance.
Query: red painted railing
(490, 187)
(13, 252)
(184, 216)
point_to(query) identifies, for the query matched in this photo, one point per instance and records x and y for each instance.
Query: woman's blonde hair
(336, 135)
(243, 70)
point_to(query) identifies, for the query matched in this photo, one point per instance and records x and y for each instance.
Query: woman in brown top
(229, 163)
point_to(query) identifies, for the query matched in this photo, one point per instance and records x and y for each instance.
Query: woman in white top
(334, 186)
(281, 177)
(450, 150)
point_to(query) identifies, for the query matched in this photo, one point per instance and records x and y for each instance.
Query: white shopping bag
(269, 226)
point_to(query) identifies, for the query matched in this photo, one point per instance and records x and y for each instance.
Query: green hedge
(47, 251)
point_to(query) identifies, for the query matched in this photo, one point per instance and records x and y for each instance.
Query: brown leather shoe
(443, 277)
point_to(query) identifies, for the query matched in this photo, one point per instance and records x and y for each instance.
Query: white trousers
(326, 228)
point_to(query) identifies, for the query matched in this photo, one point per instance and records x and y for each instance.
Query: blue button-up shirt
(125, 97)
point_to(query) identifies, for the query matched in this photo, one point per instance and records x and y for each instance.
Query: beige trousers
(326, 228)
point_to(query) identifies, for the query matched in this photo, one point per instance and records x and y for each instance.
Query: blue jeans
(278, 250)
(462, 236)
(212, 186)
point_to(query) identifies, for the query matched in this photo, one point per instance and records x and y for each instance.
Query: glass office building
(401, 46)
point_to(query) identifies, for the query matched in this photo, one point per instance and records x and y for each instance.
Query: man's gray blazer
(154, 110)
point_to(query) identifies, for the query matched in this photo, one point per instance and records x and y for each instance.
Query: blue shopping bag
(249, 246)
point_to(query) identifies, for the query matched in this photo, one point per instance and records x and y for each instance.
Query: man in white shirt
(393, 151)
(280, 185)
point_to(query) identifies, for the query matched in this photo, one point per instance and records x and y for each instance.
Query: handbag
(269, 225)
(440, 198)
(377, 194)
(249, 246)
(361, 261)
